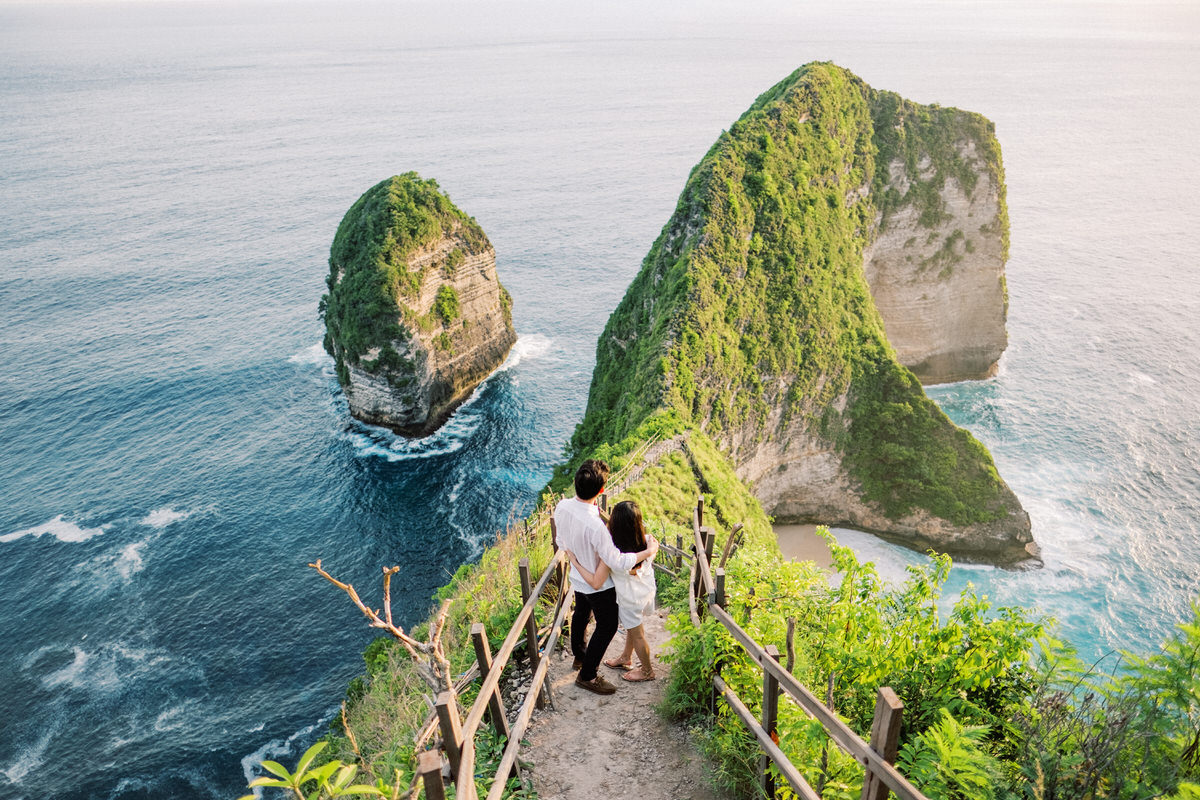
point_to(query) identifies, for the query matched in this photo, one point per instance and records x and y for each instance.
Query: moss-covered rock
(415, 316)
(751, 319)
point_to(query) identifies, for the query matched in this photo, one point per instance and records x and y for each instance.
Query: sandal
(613, 663)
(640, 676)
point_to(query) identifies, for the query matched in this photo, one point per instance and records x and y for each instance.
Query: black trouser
(604, 606)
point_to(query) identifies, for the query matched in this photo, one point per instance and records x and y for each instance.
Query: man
(580, 530)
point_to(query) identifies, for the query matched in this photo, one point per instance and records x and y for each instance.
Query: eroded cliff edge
(415, 316)
(751, 318)
(935, 262)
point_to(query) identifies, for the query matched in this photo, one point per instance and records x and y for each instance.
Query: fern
(948, 762)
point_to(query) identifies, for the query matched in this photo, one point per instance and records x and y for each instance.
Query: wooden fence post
(531, 631)
(791, 644)
(451, 725)
(730, 543)
(770, 714)
(700, 511)
(429, 767)
(483, 654)
(679, 552)
(719, 582)
(885, 740)
(707, 537)
(564, 569)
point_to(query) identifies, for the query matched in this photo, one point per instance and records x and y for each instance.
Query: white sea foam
(59, 528)
(530, 346)
(71, 674)
(162, 517)
(130, 560)
(452, 495)
(277, 749)
(28, 759)
(312, 356)
(172, 719)
(106, 669)
(130, 785)
(397, 448)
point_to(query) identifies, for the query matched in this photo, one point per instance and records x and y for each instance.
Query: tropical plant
(949, 761)
(308, 782)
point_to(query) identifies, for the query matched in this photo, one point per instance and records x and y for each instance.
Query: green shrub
(993, 707)
(445, 305)
(949, 761)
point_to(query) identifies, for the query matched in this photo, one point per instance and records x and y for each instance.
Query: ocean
(174, 449)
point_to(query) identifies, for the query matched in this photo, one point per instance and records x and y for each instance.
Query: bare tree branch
(428, 658)
(388, 572)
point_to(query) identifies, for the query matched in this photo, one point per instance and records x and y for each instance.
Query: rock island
(827, 219)
(415, 317)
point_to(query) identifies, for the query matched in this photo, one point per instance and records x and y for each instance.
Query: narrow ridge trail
(589, 747)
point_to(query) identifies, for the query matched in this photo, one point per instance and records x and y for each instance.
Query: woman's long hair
(626, 527)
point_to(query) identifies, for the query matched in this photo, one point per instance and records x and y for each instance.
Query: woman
(635, 590)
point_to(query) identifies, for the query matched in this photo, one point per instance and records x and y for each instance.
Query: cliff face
(752, 319)
(935, 264)
(415, 316)
(802, 477)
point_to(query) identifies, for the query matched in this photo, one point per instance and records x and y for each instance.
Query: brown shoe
(577, 665)
(597, 685)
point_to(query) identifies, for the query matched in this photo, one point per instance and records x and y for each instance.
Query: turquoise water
(173, 446)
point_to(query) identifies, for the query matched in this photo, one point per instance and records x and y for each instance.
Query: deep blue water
(173, 447)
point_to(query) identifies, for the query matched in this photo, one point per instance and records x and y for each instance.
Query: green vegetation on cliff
(370, 277)
(445, 305)
(925, 140)
(994, 707)
(753, 299)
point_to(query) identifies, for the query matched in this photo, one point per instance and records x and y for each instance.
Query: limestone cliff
(415, 315)
(752, 319)
(935, 264)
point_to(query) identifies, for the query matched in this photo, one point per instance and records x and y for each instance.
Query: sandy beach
(801, 543)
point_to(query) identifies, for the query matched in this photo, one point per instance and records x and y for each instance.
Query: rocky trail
(589, 747)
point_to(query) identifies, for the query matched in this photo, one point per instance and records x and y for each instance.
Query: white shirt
(581, 531)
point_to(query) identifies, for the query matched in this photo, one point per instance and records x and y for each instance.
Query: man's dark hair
(590, 478)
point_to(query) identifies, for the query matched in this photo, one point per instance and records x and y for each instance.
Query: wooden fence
(707, 596)
(880, 777)
(458, 734)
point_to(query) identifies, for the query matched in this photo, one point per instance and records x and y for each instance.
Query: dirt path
(607, 748)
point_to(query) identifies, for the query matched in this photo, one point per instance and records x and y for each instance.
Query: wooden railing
(458, 734)
(707, 596)
(876, 757)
